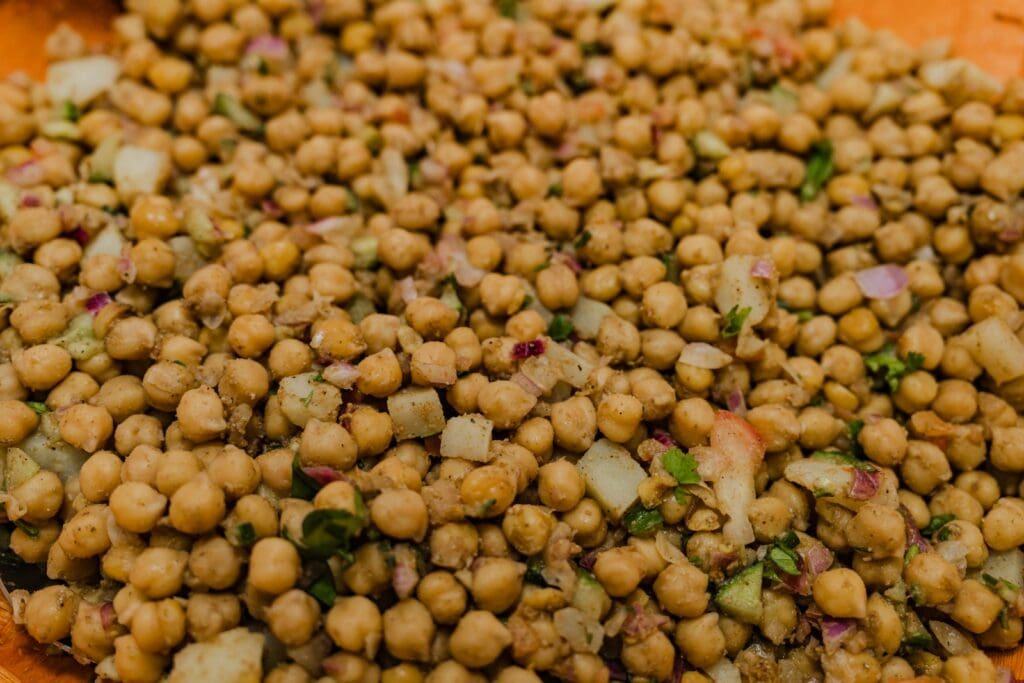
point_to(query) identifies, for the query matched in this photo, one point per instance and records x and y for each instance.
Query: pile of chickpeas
(360, 197)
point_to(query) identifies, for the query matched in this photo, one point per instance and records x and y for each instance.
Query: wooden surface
(988, 32)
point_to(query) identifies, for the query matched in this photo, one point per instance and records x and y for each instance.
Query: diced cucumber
(740, 596)
(18, 469)
(590, 596)
(914, 632)
(228, 106)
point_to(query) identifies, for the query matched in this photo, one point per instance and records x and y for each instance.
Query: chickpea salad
(455, 341)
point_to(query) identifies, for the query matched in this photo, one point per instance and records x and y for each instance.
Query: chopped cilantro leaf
(681, 496)
(582, 240)
(555, 189)
(682, 466)
(415, 175)
(788, 540)
(508, 8)
(307, 399)
(936, 523)
(542, 266)
(327, 532)
(245, 534)
(734, 320)
(1004, 618)
(534, 572)
(29, 530)
(890, 368)
(323, 589)
(853, 432)
(671, 267)
(785, 559)
(69, 111)
(561, 327)
(820, 168)
(912, 552)
(642, 522)
(844, 459)
(40, 408)
(303, 485)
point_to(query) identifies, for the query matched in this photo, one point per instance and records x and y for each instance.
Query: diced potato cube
(574, 369)
(467, 437)
(587, 315)
(81, 80)
(995, 347)
(234, 656)
(612, 476)
(416, 412)
(138, 170)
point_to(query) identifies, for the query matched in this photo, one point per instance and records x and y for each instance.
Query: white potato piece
(573, 369)
(467, 437)
(234, 655)
(416, 412)
(995, 347)
(612, 476)
(138, 170)
(81, 80)
(587, 315)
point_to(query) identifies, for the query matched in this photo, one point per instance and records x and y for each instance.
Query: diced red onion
(271, 209)
(569, 147)
(325, 226)
(30, 200)
(914, 536)
(567, 260)
(322, 474)
(108, 617)
(95, 303)
(80, 235)
(834, 632)
(433, 172)
(1009, 235)
(703, 355)
(341, 375)
(527, 384)
(763, 268)
(882, 282)
(737, 404)
(818, 558)
(126, 267)
(865, 484)
(588, 560)
(450, 254)
(528, 349)
(270, 47)
(407, 290)
(662, 437)
(27, 174)
(405, 576)
(640, 623)
(864, 201)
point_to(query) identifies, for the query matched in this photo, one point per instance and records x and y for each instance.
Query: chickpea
(478, 639)
(400, 513)
(682, 590)
(49, 613)
(841, 593)
(274, 565)
(575, 423)
(700, 639)
(293, 617)
(354, 624)
(975, 607)
(619, 570)
(408, 630)
(158, 626)
(496, 583)
(560, 485)
(931, 579)
(158, 572)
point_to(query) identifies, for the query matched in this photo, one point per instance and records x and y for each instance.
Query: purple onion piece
(96, 302)
(882, 282)
(322, 474)
(865, 484)
(534, 347)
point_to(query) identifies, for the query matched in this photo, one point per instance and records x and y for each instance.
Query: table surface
(988, 32)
